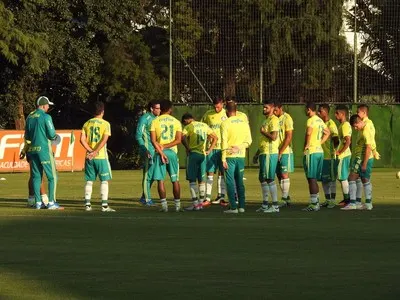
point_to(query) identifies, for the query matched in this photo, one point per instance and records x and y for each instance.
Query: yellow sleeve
(333, 129)
(346, 128)
(178, 126)
(153, 125)
(107, 129)
(185, 130)
(248, 139)
(224, 142)
(84, 128)
(289, 123)
(368, 136)
(209, 130)
(274, 125)
(310, 122)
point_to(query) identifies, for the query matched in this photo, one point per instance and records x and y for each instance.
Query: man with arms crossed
(235, 138)
(316, 134)
(146, 149)
(285, 158)
(94, 137)
(166, 134)
(194, 138)
(39, 130)
(268, 153)
(329, 169)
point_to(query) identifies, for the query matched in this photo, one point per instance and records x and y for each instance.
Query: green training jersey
(142, 135)
(39, 130)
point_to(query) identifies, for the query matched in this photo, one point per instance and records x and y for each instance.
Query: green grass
(139, 253)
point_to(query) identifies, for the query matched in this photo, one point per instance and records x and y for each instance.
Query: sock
(327, 190)
(219, 186)
(353, 191)
(223, 186)
(314, 199)
(359, 189)
(333, 189)
(274, 193)
(202, 190)
(164, 203)
(177, 203)
(88, 192)
(104, 193)
(209, 184)
(345, 189)
(368, 192)
(265, 191)
(194, 190)
(285, 186)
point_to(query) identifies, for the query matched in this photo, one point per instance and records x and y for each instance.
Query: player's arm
(212, 137)
(140, 130)
(185, 143)
(50, 131)
(346, 145)
(307, 138)
(325, 135)
(84, 142)
(176, 141)
(286, 141)
(368, 148)
(273, 135)
(255, 157)
(224, 144)
(99, 146)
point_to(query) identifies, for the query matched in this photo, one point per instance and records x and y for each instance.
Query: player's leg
(146, 180)
(211, 169)
(313, 168)
(263, 183)
(355, 170)
(359, 192)
(343, 166)
(326, 181)
(90, 177)
(230, 180)
(333, 168)
(240, 188)
(173, 171)
(37, 174)
(201, 178)
(192, 170)
(49, 167)
(284, 167)
(103, 170)
(366, 180)
(31, 196)
(159, 176)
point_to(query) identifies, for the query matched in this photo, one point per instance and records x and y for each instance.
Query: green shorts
(196, 167)
(97, 168)
(285, 164)
(214, 161)
(172, 167)
(356, 163)
(312, 164)
(343, 167)
(268, 163)
(329, 170)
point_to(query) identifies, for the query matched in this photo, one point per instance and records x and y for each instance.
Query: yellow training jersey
(344, 130)
(235, 131)
(369, 123)
(95, 129)
(266, 145)
(196, 134)
(166, 126)
(242, 115)
(318, 127)
(285, 125)
(366, 137)
(328, 146)
(214, 121)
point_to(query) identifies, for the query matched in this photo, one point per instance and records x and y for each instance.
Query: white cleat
(164, 209)
(312, 207)
(262, 209)
(88, 208)
(241, 210)
(360, 206)
(231, 211)
(368, 206)
(107, 209)
(272, 209)
(349, 207)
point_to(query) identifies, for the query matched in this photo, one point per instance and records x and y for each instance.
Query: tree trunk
(19, 117)
(229, 83)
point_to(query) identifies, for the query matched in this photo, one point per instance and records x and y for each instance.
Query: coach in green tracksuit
(39, 130)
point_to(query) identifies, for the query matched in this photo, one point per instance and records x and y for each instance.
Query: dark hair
(325, 107)
(230, 106)
(278, 104)
(165, 106)
(218, 100)
(98, 108)
(230, 99)
(186, 116)
(151, 104)
(311, 105)
(269, 102)
(342, 107)
(363, 107)
(354, 119)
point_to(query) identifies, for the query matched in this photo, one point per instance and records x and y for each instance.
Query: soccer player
(235, 138)
(146, 149)
(268, 153)
(214, 119)
(194, 138)
(39, 130)
(343, 152)
(316, 134)
(285, 158)
(329, 169)
(361, 164)
(94, 137)
(166, 134)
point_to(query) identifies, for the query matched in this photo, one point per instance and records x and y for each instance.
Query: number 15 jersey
(95, 129)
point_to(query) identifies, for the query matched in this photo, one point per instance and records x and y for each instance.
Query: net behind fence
(289, 50)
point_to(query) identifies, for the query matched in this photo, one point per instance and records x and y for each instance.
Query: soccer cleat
(149, 203)
(272, 209)
(349, 206)
(360, 206)
(142, 201)
(331, 204)
(206, 203)
(218, 200)
(368, 206)
(284, 203)
(224, 203)
(54, 206)
(312, 207)
(88, 208)
(262, 209)
(344, 202)
(241, 210)
(194, 207)
(164, 208)
(231, 211)
(325, 204)
(107, 209)
(38, 205)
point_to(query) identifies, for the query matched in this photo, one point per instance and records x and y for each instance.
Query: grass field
(140, 253)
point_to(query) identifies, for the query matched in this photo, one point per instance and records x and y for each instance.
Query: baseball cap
(43, 100)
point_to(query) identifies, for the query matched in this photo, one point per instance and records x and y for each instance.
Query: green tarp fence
(386, 119)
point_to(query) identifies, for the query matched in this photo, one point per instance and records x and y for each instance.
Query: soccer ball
(398, 175)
